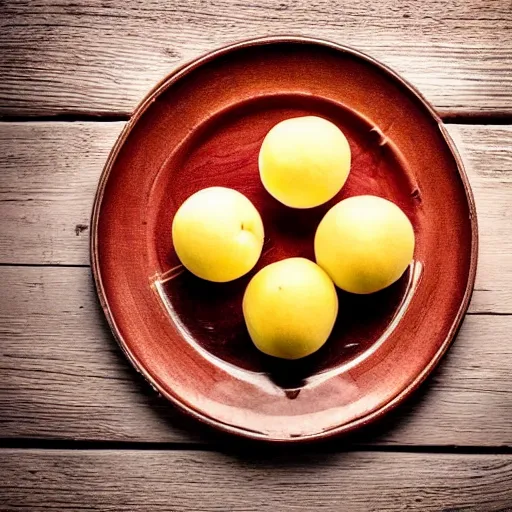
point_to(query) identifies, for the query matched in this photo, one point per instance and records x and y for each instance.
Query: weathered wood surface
(59, 56)
(48, 177)
(49, 173)
(62, 376)
(110, 480)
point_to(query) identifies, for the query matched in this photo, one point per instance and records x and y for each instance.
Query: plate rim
(137, 113)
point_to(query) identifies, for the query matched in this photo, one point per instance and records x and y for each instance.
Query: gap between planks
(71, 265)
(65, 265)
(448, 117)
(241, 445)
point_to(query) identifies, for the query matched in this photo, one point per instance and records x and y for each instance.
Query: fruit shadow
(361, 320)
(213, 316)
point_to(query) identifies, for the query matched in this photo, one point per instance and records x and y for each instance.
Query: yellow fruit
(290, 308)
(304, 161)
(218, 234)
(365, 243)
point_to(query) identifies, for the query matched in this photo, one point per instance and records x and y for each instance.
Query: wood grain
(62, 376)
(49, 173)
(182, 481)
(48, 178)
(102, 57)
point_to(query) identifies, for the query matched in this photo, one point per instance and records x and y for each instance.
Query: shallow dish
(203, 126)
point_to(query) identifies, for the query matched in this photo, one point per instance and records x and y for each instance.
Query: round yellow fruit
(218, 234)
(365, 243)
(304, 161)
(290, 308)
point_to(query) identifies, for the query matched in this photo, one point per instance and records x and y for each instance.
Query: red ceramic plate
(203, 126)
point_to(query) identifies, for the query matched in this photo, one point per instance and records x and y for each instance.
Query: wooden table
(79, 428)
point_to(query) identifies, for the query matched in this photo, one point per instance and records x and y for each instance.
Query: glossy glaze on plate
(203, 126)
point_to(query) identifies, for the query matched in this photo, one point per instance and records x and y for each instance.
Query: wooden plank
(106, 480)
(93, 57)
(486, 152)
(62, 376)
(48, 178)
(49, 173)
